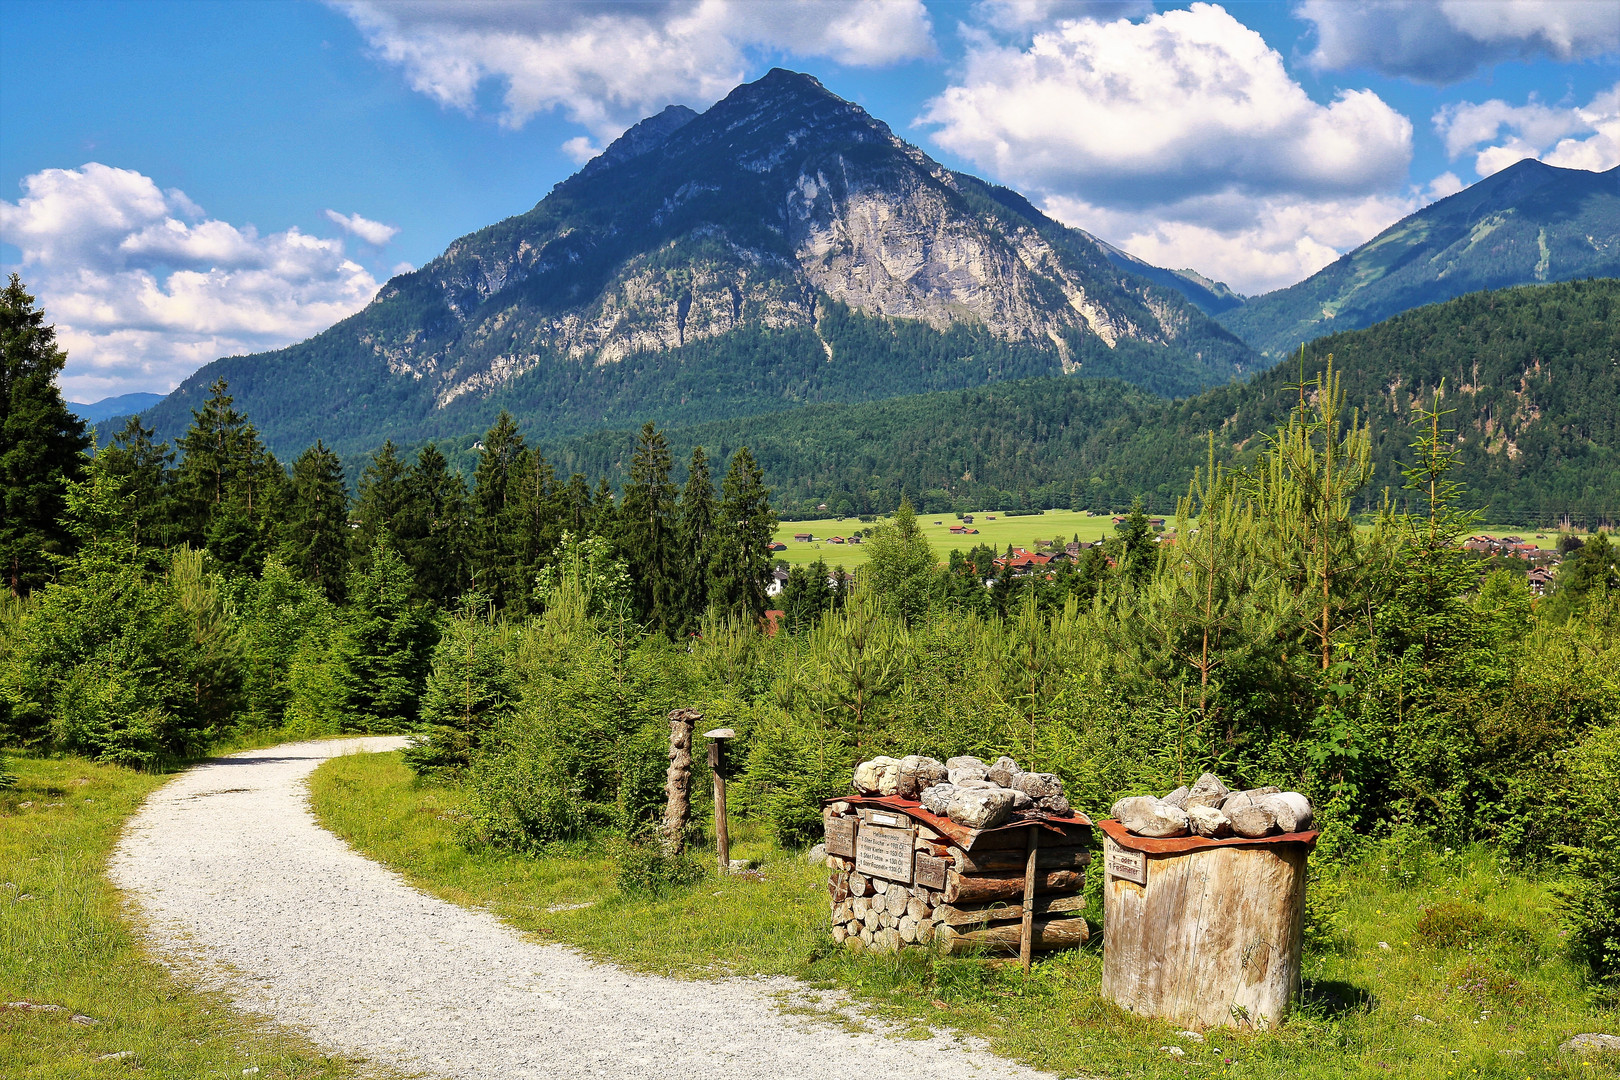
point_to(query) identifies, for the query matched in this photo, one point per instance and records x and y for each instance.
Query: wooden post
(1026, 939)
(678, 781)
(722, 835)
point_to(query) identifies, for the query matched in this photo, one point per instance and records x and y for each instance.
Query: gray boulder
(1005, 771)
(937, 799)
(959, 773)
(1208, 791)
(1022, 802)
(1251, 795)
(1209, 822)
(918, 774)
(969, 782)
(966, 761)
(817, 854)
(1591, 1043)
(1251, 819)
(1292, 810)
(1054, 804)
(1178, 797)
(1146, 816)
(873, 777)
(980, 808)
(1039, 785)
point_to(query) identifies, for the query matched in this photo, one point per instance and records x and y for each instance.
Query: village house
(1539, 579)
(802, 538)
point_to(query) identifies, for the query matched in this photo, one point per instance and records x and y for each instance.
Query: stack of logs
(903, 876)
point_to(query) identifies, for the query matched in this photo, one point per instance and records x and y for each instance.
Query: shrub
(646, 869)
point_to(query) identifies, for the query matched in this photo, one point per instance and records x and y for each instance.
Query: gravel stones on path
(241, 890)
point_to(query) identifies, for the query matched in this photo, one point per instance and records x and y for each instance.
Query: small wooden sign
(841, 836)
(878, 817)
(1125, 864)
(930, 871)
(885, 853)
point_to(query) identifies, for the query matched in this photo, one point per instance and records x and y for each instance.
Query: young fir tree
(806, 597)
(648, 525)
(433, 530)
(537, 517)
(1135, 551)
(901, 565)
(695, 535)
(42, 444)
(315, 534)
(740, 561)
(384, 648)
(471, 688)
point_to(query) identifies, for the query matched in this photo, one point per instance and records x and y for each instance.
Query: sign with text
(841, 836)
(1125, 864)
(930, 871)
(885, 853)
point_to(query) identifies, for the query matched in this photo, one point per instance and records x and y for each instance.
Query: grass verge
(64, 942)
(1473, 983)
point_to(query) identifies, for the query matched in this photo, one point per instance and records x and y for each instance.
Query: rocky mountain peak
(645, 136)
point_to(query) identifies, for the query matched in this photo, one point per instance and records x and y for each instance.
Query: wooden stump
(1213, 938)
(678, 780)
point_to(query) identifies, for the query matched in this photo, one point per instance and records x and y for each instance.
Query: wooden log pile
(904, 875)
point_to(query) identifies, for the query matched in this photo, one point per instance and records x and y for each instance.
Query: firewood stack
(948, 852)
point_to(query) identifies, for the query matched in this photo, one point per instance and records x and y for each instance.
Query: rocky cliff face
(691, 226)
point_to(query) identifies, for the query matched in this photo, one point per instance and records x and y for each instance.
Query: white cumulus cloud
(141, 296)
(1498, 133)
(606, 65)
(1444, 41)
(1182, 134)
(374, 233)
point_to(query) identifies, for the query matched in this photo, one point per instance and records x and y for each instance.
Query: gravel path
(242, 890)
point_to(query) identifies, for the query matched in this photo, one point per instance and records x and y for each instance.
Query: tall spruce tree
(315, 533)
(649, 532)
(495, 532)
(537, 516)
(695, 528)
(744, 524)
(231, 487)
(142, 471)
(42, 444)
(902, 567)
(383, 501)
(433, 533)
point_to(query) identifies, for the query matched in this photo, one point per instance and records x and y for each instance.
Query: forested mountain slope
(1528, 223)
(1532, 372)
(780, 249)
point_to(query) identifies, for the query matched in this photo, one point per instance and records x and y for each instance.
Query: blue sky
(186, 180)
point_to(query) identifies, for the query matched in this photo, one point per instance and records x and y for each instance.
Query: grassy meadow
(1422, 963)
(66, 940)
(1021, 531)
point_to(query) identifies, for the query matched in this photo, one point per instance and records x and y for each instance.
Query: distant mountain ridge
(1529, 223)
(122, 405)
(1529, 371)
(633, 288)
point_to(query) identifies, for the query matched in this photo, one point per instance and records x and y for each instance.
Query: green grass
(65, 940)
(1487, 970)
(1018, 531)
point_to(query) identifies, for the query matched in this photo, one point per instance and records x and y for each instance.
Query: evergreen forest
(532, 630)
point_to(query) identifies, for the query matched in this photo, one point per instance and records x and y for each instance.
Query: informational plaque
(879, 817)
(884, 852)
(841, 836)
(931, 871)
(1125, 864)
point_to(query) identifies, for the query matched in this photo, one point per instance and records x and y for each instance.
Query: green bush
(647, 869)
(1589, 893)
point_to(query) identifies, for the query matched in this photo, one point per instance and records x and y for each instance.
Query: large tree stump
(678, 781)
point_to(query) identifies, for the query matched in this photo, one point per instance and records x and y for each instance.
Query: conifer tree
(1134, 547)
(232, 488)
(42, 444)
(695, 527)
(649, 531)
(744, 524)
(433, 532)
(904, 572)
(537, 515)
(384, 647)
(143, 474)
(494, 542)
(383, 500)
(471, 688)
(315, 534)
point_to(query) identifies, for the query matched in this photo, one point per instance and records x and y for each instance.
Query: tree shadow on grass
(1333, 998)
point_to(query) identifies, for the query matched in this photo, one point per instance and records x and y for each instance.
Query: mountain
(1531, 373)
(781, 249)
(1528, 223)
(1210, 297)
(106, 408)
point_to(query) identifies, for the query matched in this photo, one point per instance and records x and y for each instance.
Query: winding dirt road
(240, 889)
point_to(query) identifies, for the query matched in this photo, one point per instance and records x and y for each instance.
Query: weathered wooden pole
(678, 781)
(722, 835)
(1026, 937)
